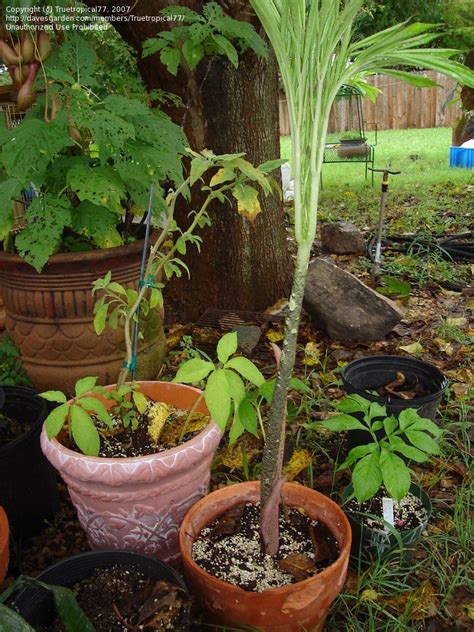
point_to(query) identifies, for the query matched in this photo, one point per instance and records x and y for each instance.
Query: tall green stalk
(313, 45)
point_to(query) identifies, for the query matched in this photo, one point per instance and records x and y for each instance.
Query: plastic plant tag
(387, 505)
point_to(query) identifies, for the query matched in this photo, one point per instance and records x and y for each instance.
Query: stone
(248, 337)
(344, 307)
(342, 238)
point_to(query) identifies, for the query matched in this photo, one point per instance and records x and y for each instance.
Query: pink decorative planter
(139, 503)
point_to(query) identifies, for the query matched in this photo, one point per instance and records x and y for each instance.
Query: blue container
(461, 157)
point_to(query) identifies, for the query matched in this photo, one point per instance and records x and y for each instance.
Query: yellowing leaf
(470, 610)
(312, 353)
(223, 175)
(456, 322)
(369, 595)
(299, 461)
(414, 349)
(274, 335)
(247, 201)
(157, 416)
(444, 346)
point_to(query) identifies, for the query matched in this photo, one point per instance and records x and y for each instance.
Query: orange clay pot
(4, 550)
(292, 608)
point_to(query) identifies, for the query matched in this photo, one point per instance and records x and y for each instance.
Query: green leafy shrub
(87, 161)
(377, 462)
(12, 372)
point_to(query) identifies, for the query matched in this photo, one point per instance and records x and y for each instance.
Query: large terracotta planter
(4, 544)
(292, 608)
(138, 503)
(49, 316)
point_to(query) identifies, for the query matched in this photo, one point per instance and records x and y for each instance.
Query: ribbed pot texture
(293, 608)
(49, 316)
(139, 503)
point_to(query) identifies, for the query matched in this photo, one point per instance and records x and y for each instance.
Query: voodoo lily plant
(316, 53)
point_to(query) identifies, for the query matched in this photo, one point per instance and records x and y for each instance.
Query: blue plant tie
(149, 283)
(131, 366)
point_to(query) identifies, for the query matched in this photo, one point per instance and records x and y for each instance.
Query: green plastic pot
(369, 544)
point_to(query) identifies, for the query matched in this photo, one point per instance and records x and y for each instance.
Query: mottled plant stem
(275, 438)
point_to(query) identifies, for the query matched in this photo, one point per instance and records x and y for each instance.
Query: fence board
(400, 106)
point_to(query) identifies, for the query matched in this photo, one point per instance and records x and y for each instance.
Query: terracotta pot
(138, 503)
(352, 149)
(4, 544)
(3, 315)
(292, 608)
(49, 316)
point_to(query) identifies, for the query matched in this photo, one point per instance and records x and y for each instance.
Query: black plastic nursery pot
(36, 604)
(28, 486)
(370, 544)
(367, 374)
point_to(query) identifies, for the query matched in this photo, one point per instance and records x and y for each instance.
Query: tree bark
(241, 266)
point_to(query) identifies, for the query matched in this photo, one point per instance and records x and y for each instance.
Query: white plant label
(387, 504)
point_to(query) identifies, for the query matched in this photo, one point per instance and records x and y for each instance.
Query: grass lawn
(395, 147)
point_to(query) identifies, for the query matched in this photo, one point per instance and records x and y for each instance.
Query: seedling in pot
(226, 386)
(378, 462)
(87, 419)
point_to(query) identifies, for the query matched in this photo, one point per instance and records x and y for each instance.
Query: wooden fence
(399, 106)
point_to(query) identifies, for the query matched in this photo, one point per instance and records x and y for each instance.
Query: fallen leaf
(229, 522)
(312, 354)
(457, 322)
(300, 460)
(299, 565)
(157, 416)
(274, 335)
(369, 595)
(415, 348)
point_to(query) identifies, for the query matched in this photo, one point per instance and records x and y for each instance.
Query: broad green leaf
(156, 298)
(11, 621)
(54, 396)
(84, 432)
(69, 611)
(217, 397)
(395, 474)
(298, 385)
(237, 429)
(357, 453)
(247, 201)
(248, 416)
(407, 417)
(227, 346)
(97, 223)
(247, 370)
(398, 445)
(377, 425)
(428, 426)
(227, 49)
(100, 185)
(390, 424)
(376, 410)
(193, 370)
(267, 389)
(198, 167)
(55, 420)
(338, 423)
(98, 407)
(192, 53)
(100, 318)
(170, 57)
(271, 165)
(353, 404)
(367, 477)
(84, 385)
(236, 386)
(423, 441)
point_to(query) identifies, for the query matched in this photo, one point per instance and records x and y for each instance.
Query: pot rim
(4, 535)
(281, 590)
(42, 414)
(65, 258)
(59, 447)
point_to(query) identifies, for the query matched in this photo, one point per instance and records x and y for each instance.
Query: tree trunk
(241, 266)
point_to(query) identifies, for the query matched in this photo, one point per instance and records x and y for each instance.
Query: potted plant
(72, 590)
(386, 510)
(352, 144)
(28, 494)
(313, 61)
(397, 382)
(82, 162)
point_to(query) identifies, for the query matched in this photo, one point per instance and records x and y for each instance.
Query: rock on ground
(344, 307)
(342, 238)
